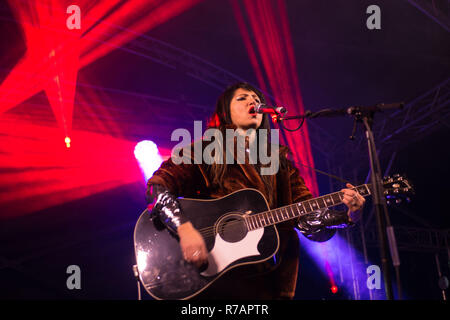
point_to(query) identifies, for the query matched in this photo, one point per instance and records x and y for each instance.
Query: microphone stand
(385, 231)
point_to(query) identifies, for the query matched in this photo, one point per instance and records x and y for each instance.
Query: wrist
(185, 227)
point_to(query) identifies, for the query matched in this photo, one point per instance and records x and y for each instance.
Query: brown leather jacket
(193, 181)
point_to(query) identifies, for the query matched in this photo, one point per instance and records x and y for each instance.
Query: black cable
(280, 121)
(291, 130)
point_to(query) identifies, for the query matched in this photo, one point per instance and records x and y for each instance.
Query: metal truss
(410, 238)
(419, 118)
(181, 60)
(437, 10)
(323, 142)
(214, 76)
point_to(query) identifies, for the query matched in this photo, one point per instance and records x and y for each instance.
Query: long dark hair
(221, 119)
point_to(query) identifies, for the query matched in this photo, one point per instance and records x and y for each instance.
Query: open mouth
(252, 110)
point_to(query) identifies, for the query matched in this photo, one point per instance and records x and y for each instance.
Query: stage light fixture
(148, 157)
(67, 141)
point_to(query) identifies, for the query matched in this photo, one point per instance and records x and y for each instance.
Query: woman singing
(235, 110)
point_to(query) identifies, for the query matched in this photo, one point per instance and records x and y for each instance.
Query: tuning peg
(388, 202)
(398, 201)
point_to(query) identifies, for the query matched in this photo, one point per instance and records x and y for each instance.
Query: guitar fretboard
(299, 209)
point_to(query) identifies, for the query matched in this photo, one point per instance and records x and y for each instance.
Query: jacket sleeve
(178, 179)
(319, 225)
(165, 207)
(167, 183)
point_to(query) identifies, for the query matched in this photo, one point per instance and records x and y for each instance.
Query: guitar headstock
(397, 188)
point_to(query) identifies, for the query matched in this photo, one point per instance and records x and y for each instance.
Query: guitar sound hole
(232, 228)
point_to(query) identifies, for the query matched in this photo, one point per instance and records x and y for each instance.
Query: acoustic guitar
(238, 229)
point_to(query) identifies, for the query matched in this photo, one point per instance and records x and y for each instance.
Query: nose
(253, 101)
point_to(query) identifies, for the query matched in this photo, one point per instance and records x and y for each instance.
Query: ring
(196, 253)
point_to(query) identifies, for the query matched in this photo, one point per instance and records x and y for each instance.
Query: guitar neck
(299, 209)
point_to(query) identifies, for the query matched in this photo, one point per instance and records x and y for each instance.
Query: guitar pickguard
(225, 253)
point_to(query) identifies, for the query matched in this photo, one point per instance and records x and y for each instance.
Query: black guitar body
(239, 229)
(162, 269)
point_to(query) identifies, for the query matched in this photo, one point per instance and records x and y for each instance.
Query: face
(241, 105)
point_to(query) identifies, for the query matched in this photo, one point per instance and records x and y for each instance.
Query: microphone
(263, 108)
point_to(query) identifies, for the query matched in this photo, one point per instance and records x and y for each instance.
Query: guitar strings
(261, 213)
(210, 231)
